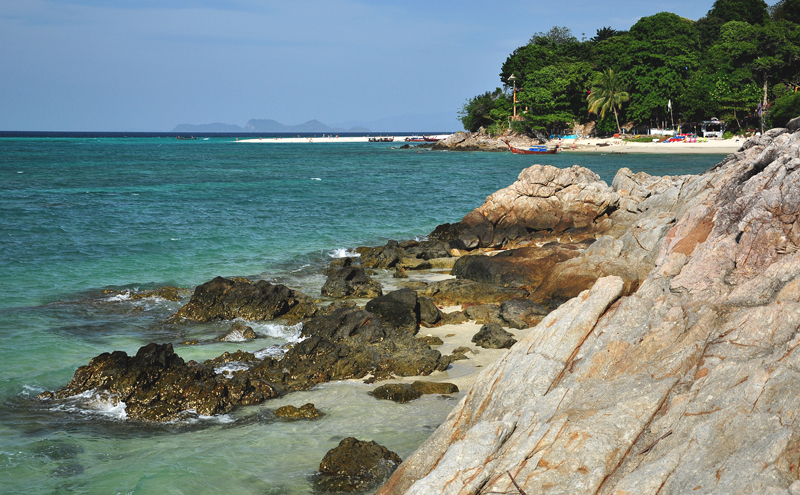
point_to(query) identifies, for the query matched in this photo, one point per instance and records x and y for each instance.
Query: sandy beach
(613, 145)
(328, 139)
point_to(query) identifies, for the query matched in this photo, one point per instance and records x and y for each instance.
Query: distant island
(265, 125)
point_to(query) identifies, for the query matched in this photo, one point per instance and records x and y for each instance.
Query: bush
(784, 109)
(727, 135)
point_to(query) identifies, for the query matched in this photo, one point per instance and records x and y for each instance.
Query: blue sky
(146, 65)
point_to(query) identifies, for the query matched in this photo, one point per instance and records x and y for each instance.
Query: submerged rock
(306, 411)
(434, 387)
(355, 465)
(398, 392)
(227, 299)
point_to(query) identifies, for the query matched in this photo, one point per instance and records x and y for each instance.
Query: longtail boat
(535, 150)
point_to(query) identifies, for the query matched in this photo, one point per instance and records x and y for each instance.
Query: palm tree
(607, 94)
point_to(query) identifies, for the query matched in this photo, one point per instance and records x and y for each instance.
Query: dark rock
(336, 305)
(469, 292)
(492, 336)
(338, 263)
(523, 267)
(156, 384)
(350, 281)
(239, 332)
(346, 344)
(399, 272)
(521, 313)
(226, 299)
(380, 257)
(429, 313)
(398, 309)
(454, 318)
(414, 264)
(434, 387)
(484, 313)
(431, 340)
(306, 411)
(398, 392)
(356, 465)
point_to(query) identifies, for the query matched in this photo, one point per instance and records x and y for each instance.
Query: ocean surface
(82, 216)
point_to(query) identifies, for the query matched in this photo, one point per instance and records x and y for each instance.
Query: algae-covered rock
(227, 299)
(292, 413)
(397, 309)
(355, 465)
(434, 387)
(398, 392)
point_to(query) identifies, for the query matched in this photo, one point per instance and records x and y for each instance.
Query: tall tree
(786, 10)
(608, 93)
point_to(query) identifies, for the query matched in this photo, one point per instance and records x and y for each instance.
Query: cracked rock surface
(688, 384)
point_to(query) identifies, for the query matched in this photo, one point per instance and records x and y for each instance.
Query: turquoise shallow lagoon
(80, 215)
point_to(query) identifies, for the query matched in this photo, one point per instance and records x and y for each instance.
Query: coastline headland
(481, 141)
(652, 324)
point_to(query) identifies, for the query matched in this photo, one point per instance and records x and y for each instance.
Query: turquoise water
(80, 215)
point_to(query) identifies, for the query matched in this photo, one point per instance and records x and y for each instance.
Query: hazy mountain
(215, 127)
(420, 123)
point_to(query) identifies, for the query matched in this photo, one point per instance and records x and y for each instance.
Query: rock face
(355, 465)
(689, 384)
(157, 385)
(226, 299)
(350, 281)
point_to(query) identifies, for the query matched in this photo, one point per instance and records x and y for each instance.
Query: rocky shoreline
(633, 295)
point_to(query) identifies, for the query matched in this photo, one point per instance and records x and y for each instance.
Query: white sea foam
(190, 416)
(315, 178)
(301, 268)
(274, 351)
(125, 296)
(228, 369)
(28, 391)
(343, 253)
(277, 330)
(235, 336)
(174, 238)
(92, 402)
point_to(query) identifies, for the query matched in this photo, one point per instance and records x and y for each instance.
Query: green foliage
(484, 110)
(727, 135)
(785, 109)
(556, 36)
(786, 10)
(739, 54)
(608, 94)
(752, 11)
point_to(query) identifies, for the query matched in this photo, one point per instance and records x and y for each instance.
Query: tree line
(740, 60)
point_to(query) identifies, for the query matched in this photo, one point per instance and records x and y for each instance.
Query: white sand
(712, 146)
(327, 139)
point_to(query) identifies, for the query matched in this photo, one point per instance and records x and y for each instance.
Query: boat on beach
(380, 139)
(431, 139)
(535, 150)
(415, 139)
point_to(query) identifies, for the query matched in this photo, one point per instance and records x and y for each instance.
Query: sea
(88, 221)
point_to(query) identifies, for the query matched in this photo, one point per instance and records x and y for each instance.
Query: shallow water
(80, 215)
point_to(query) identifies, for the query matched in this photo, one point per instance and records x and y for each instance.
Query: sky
(149, 65)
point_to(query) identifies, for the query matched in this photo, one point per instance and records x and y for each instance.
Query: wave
(343, 253)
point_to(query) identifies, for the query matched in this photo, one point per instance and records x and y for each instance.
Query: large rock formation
(226, 299)
(689, 384)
